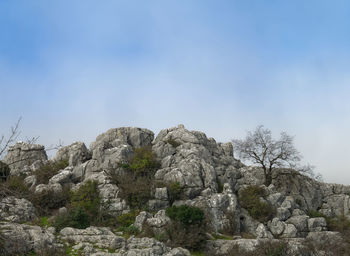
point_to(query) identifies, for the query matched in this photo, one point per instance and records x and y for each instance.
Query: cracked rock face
(21, 155)
(16, 210)
(76, 153)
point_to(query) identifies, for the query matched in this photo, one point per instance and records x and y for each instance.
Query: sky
(73, 69)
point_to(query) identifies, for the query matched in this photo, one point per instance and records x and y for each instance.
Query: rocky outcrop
(22, 155)
(206, 175)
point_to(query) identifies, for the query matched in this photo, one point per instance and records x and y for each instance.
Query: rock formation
(203, 173)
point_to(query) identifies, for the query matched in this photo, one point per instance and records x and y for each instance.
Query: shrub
(315, 214)
(4, 171)
(250, 199)
(127, 219)
(187, 215)
(339, 223)
(143, 162)
(135, 190)
(50, 169)
(174, 191)
(14, 186)
(190, 237)
(47, 201)
(84, 208)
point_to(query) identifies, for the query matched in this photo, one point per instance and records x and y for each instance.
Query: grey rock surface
(77, 153)
(16, 210)
(22, 155)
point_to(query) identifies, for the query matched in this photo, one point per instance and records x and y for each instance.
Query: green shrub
(4, 171)
(14, 186)
(127, 219)
(135, 190)
(143, 162)
(187, 215)
(174, 191)
(339, 223)
(47, 201)
(315, 214)
(50, 169)
(250, 199)
(84, 208)
(190, 237)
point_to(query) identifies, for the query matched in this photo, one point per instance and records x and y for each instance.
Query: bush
(84, 208)
(187, 215)
(127, 219)
(4, 171)
(174, 191)
(47, 201)
(135, 190)
(315, 214)
(190, 237)
(143, 162)
(340, 224)
(14, 186)
(47, 171)
(250, 199)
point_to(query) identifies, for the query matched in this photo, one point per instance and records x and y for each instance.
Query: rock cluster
(209, 177)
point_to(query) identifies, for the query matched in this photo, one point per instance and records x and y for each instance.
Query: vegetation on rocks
(250, 198)
(187, 215)
(50, 169)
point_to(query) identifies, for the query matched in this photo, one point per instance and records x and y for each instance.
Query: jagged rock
(101, 237)
(141, 219)
(252, 176)
(317, 224)
(115, 145)
(262, 232)
(62, 177)
(290, 231)
(276, 226)
(54, 188)
(305, 190)
(158, 222)
(20, 239)
(16, 210)
(336, 205)
(283, 213)
(76, 153)
(30, 181)
(23, 155)
(248, 224)
(275, 199)
(301, 223)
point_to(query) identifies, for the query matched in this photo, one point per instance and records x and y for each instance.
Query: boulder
(23, 155)
(13, 209)
(76, 153)
(21, 239)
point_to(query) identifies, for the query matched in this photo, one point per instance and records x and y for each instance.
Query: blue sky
(73, 69)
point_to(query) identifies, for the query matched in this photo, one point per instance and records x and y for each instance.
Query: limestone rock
(23, 154)
(16, 210)
(317, 224)
(76, 153)
(276, 226)
(20, 239)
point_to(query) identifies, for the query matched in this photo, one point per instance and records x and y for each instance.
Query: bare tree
(5, 142)
(260, 148)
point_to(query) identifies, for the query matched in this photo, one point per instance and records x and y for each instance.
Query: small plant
(173, 143)
(174, 191)
(143, 162)
(84, 208)
(14, 186)
(250, 199)
(315, 214)
(50, 169)
(4, 171)
(339, 223)
(127, 219)
(264, 248)
(187, 215)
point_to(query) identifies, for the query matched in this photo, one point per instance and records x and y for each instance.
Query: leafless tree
(5, 142)
(260, 148)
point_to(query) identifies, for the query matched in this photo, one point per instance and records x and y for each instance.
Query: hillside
(178, 193)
